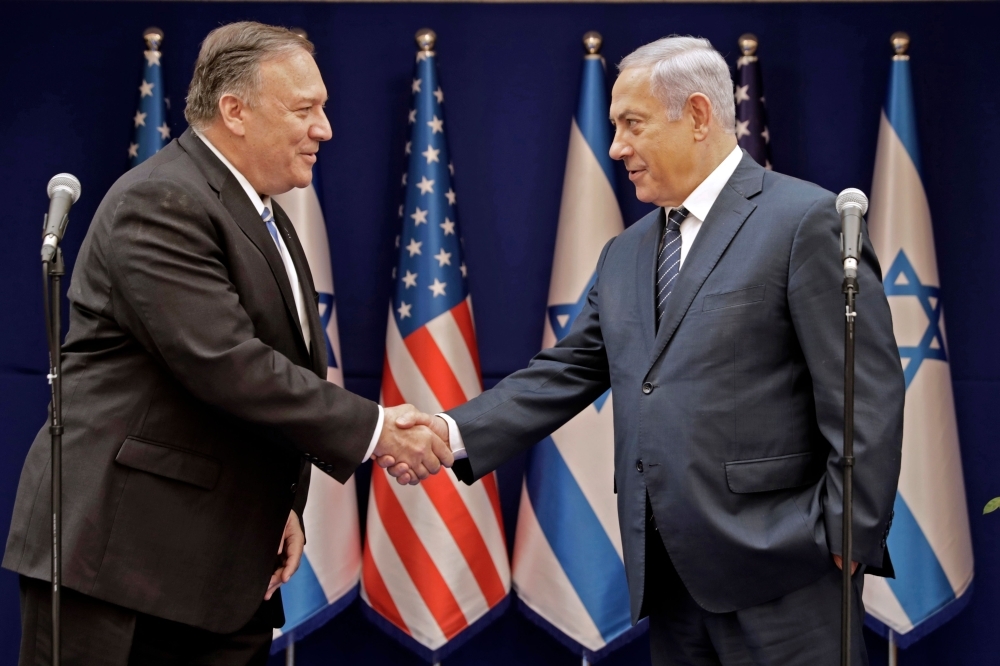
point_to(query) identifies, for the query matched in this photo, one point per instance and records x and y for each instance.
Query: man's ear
(232, 111)
(700, 109)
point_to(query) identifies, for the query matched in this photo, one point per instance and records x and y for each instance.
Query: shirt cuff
(378, 433)
(454, 437)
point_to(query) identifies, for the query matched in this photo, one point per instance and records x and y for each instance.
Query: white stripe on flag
(593, 464)
(334, 544)
(444, 329)
(878, 594)
(481, 509)
(542, 584)
(588, 216)
(409, 379)
(404, 593)
(442, 548)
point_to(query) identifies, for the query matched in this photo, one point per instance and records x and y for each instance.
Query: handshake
(412, 445)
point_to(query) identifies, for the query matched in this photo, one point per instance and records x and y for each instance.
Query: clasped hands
(412, 445)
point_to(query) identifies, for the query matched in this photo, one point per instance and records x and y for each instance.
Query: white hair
(681, 66)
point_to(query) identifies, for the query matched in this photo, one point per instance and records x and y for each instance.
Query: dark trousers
(97, 633)
(801, 628)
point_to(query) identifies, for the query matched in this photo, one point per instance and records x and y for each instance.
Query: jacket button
(638, 466)
(294, 487)
(647, 388)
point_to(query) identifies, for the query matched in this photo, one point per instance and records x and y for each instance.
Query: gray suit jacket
(190, 401)
(730, 415)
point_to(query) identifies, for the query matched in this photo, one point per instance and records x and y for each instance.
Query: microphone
(852, 204)
(64, 190)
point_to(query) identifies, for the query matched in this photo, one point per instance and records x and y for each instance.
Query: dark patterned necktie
(669, 260)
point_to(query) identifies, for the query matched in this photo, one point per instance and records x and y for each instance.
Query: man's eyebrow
(626, 112)
(309, 99)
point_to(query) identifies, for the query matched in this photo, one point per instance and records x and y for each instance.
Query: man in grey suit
(717, 320)
(195, 386)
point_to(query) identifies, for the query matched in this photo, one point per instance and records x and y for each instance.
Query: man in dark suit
(194, 386)
(717, 320)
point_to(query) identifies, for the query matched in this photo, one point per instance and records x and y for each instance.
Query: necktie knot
(271, 227)
(677, 215)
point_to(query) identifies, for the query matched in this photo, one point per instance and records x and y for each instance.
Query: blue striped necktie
(669, 260)
(271, 227)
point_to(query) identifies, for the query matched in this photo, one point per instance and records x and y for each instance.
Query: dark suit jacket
(730, 416)
(190, 401)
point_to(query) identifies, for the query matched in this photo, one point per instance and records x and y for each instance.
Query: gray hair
(681, 66)
(229, 64)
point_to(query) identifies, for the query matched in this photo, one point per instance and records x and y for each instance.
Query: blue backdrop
(510, 75)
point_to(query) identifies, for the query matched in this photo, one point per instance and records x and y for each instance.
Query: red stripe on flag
(455, 514)
(435, 368)
(378, 594)
(391, 395)
(463, 317)
(490, 484)
(423, 572)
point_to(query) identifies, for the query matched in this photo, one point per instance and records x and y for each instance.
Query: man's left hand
(839, 561)
(290, 551)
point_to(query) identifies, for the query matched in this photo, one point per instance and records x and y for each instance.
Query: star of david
(561, 318)
(902, 280)
(326, 303)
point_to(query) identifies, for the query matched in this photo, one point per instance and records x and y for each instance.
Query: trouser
(801, 628)
(98, 633)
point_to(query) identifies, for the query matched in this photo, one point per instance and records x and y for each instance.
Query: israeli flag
(568, 569)
(929, 541)
(327, 579)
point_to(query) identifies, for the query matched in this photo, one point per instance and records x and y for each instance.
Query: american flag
(435, 565)
(751, 114)
(150, 120)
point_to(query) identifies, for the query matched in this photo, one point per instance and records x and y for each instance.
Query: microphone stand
(54, 272)
(850, 289)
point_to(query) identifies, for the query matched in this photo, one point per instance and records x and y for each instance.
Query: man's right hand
(409, 446)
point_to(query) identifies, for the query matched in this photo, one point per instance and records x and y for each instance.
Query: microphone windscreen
(852, 197)
(65, 181)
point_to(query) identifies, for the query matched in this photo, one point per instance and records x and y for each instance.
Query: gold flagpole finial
(900, 44)
(592, 42)
(748, 44)
(426, 38)
(300, 32)
(153, 37)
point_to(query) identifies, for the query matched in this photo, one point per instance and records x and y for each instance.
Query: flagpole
(290, 652)
(893, 654)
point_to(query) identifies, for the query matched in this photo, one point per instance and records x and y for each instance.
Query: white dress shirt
(698, 203)
(260, 203)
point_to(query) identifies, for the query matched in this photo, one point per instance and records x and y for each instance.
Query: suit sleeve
(531, 403)
(302, 494)
(818, 313)
(173, 293)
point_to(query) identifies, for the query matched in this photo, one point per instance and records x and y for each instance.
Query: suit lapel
(724, 220)
(646, 274)
(316, 333)
(242, 210)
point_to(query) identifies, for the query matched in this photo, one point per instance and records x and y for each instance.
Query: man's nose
(619, 149)
(321, 130)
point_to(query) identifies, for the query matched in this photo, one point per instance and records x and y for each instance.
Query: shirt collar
(703, 198)
(258, 202)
